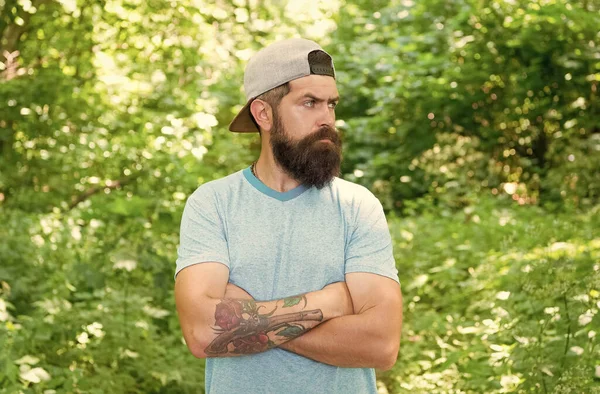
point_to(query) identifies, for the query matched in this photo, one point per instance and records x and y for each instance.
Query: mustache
(325, 132)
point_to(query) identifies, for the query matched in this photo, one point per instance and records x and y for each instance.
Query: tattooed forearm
(242, 328)
(294, 300)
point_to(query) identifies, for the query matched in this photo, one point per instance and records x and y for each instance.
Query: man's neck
(269, 172)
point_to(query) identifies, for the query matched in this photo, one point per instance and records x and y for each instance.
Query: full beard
(310, 161)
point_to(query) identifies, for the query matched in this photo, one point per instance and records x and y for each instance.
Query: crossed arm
(216, 325)
(367, 338)
(351, 324)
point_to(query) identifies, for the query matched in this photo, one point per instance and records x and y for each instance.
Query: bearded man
(285, 276)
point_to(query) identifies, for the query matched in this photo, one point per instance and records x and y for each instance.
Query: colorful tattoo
(294, 300)
(243, 329)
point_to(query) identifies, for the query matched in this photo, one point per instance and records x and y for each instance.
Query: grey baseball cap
(276, 64)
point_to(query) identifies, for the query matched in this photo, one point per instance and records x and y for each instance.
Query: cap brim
(243, 122)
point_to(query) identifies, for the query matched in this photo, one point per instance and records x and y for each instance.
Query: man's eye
(310, 103)
(333, 105)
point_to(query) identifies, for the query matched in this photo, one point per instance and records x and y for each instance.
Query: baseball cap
(276, 64)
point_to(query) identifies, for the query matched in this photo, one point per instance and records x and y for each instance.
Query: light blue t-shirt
(278, 245)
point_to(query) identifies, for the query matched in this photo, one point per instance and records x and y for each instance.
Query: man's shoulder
(351, 192)
(219, 186)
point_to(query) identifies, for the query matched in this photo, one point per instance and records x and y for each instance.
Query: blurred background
(476, 123)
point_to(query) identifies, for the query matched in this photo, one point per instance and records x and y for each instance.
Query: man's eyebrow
(318, 99)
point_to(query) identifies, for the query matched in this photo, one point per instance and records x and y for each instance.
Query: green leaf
(291, 301)
(291, 332)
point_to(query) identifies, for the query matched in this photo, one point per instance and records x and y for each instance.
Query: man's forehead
(314, 84)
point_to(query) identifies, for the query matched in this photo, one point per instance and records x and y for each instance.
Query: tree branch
(76, 200)
(11, 33)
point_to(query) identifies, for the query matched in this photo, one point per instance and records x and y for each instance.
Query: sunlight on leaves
(126, 353)
(156, 313)
(30, 360)
(4, 316)
(34, 375)
(125, 264)
(503, 295)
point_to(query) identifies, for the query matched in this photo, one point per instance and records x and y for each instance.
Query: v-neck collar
(264, 189)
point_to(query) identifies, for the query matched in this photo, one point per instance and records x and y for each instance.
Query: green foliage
(93, 304)
(497, 299)
(519, 79)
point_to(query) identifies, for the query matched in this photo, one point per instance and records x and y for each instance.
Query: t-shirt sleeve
(370, 245)
(202, 234)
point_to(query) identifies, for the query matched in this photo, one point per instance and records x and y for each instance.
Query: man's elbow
(197, 350)
(388, 356)
(196, 344)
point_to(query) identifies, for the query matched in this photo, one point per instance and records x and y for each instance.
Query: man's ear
(263, 114)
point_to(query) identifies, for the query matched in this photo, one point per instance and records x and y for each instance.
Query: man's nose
(326, 116)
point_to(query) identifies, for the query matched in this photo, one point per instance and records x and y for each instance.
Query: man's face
(303, 137)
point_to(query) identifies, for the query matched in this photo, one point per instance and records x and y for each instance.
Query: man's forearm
(353, 341)
(233, 327)
(246, 326)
